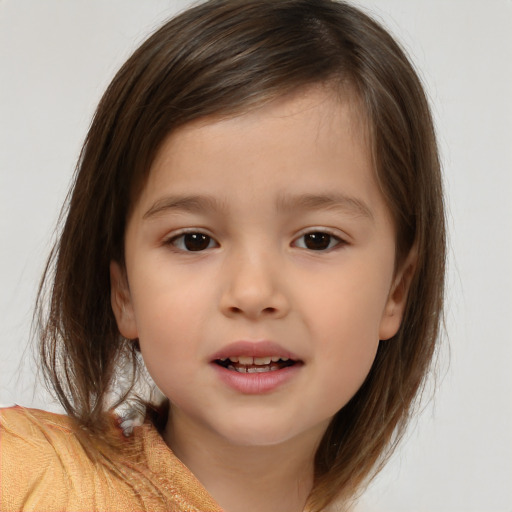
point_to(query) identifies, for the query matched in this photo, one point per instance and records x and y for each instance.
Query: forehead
(294, 142)
(316, 115)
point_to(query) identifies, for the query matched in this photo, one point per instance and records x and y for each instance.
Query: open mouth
(247, 364)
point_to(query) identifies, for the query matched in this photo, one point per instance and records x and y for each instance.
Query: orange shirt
(44, 467)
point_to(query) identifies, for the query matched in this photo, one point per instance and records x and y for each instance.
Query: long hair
(223, 58)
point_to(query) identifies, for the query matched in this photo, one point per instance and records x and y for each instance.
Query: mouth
(256, 368)
(249, 364)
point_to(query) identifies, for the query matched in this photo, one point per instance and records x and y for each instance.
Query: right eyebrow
(192, 204)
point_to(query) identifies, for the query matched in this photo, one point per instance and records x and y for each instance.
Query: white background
(57, 57)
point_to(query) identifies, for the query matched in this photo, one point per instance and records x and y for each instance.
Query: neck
(274, 478)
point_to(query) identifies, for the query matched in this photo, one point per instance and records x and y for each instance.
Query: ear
(121, 301)
(397, 299)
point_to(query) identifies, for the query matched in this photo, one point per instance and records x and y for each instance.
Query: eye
(317, 241)
(193, 242)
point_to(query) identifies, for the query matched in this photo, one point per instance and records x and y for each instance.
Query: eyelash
(173, 241)
(178, 241)
(321, 237)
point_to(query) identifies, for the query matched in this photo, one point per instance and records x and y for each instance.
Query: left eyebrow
(340, 202)
(192, 204)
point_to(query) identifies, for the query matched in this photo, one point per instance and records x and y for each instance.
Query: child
(257, 216)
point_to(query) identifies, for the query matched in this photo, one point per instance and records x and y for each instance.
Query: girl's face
(260, 270)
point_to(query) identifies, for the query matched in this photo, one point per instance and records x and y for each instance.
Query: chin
(260, 434)
(257, 438)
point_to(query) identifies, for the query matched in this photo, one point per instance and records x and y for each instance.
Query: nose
(254, 288)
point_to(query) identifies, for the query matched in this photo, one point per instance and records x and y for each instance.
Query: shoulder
(35, 434)
(39, 451)
(23, 423)
(46, 465)
(32, 431)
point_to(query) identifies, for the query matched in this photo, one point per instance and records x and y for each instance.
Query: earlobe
(121, 301)
(397, 299)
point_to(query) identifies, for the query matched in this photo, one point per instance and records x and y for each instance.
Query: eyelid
(339, 236)
(169, 239)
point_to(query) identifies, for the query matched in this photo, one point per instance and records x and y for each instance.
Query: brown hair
(222, 58)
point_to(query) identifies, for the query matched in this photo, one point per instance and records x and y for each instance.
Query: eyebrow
(287, 203)
(192, 204)
(336, 202)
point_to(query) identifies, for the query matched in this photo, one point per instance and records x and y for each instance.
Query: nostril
(254, 305)
(265, 311)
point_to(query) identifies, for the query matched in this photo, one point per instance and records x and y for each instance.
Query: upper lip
(253, 349)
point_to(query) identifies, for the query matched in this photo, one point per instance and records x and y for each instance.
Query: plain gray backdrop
(57, 57)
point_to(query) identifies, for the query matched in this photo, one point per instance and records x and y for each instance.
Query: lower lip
(256, 383)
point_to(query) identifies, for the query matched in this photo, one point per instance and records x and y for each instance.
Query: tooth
(284, 358)
(223, 359)
(241, 369)
(275, 359)
(245, 360)
(233, 359)
(262, 360)
(255, 369)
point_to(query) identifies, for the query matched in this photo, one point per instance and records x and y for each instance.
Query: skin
(258, 279)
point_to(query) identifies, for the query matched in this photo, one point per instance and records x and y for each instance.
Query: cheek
(167, 341)
(169, 318)
(166, 300)
(349, 342)
(350, 307)
(344, 320)
(347, 348)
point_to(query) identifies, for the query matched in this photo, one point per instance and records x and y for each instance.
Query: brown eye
(193, 242)
(317, 241)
